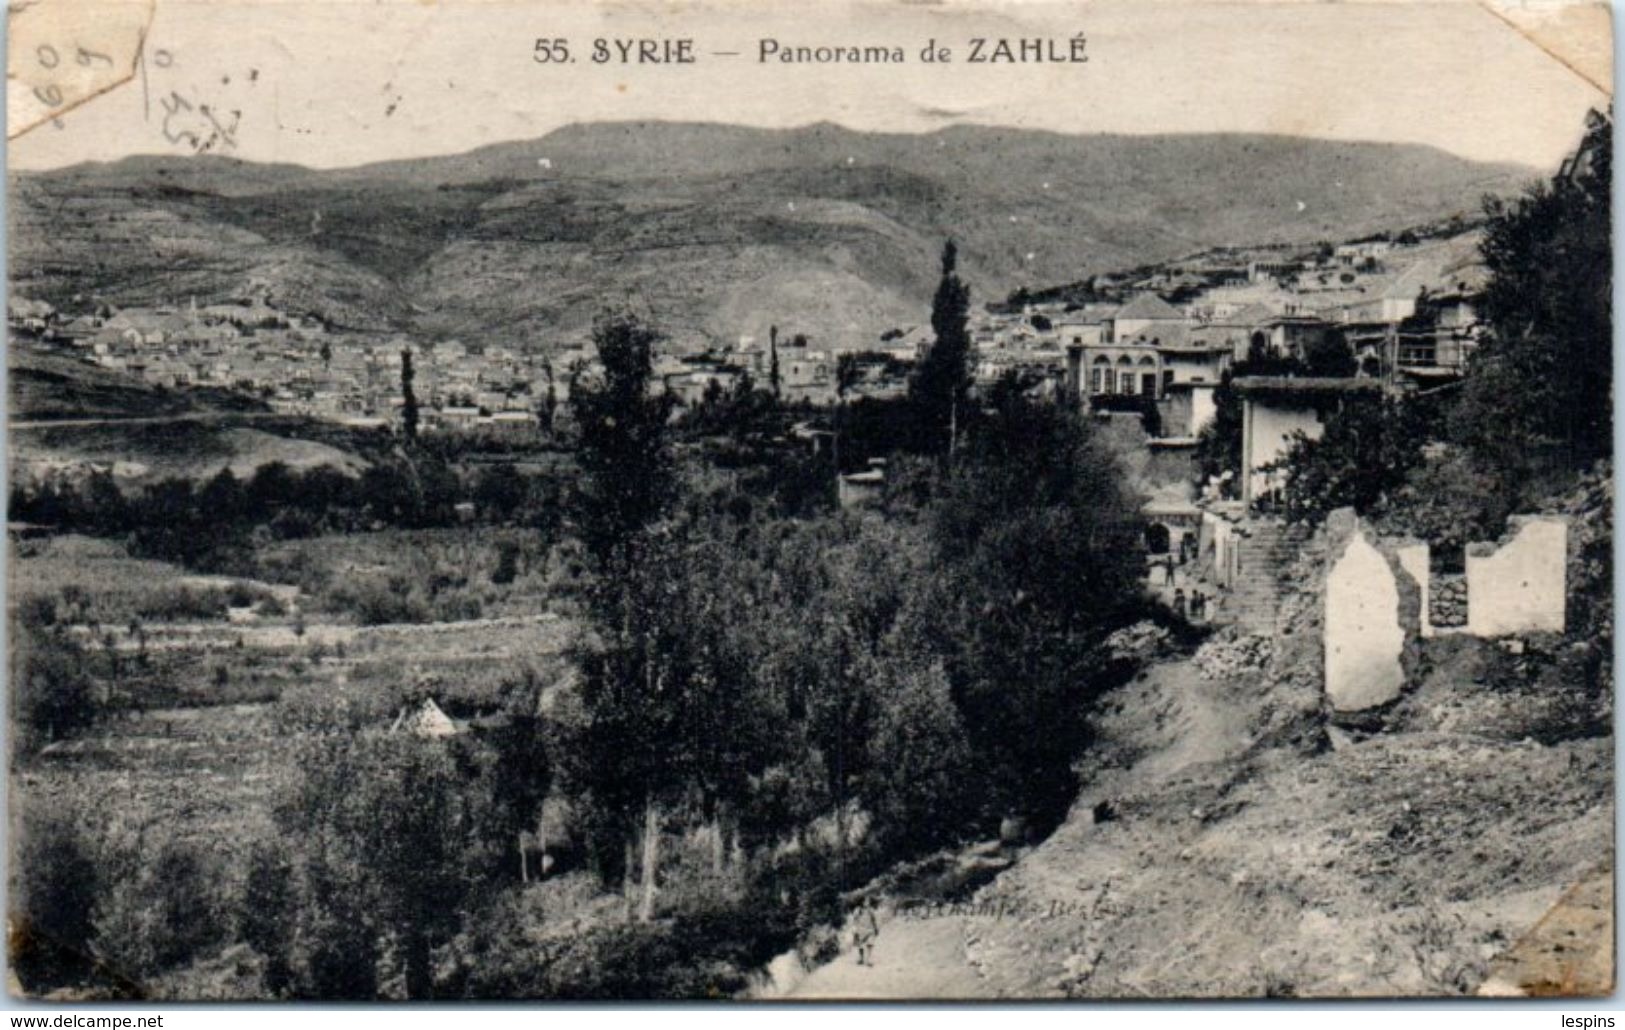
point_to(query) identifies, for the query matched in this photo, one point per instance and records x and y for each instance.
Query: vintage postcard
(978, 499)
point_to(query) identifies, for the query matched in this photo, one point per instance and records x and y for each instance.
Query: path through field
(151, 420)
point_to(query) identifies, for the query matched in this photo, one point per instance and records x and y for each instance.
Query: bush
(55, 878)
(921, 759)
(36, 611)
(378, 602)
(52, 692)
(177, 604)
(164, 906)
(457, 606)
(1449, 502)
(1361, 459)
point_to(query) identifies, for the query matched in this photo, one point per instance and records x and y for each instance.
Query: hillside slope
(715, 230)
(65, 416)
(1215, 853)
(1398, 865)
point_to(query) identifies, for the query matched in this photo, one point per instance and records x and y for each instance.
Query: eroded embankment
(1221, 846)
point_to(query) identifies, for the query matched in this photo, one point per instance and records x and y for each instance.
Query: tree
(941, 383)
(1330, 355)
(1544, 374)
(499, 491)
(549, 404)
(847, 374)
(56, 879)
(1218, 445)
(52, 693)
(225, 500)
(625, 760)
(162, 904)
(409, 398)
(1037, 559)
(627, 480)
(773, 381)
(391, 838)
(920, 767)
(104, 506)
(1368, 447)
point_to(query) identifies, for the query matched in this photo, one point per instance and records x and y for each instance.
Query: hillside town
(1402, 306)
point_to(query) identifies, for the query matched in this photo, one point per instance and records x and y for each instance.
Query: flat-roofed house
(1275, 409)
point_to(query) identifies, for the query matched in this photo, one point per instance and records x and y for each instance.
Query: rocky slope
(1398, 865)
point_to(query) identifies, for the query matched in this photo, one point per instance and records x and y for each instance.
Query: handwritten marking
(103, 38)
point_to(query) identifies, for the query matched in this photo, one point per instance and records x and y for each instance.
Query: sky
(345, 82)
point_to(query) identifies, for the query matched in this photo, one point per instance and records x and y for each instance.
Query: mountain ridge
(715, 230)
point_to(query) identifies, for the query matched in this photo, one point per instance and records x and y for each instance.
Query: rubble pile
(1447, 601)
(1143, 641)
(1227, 656)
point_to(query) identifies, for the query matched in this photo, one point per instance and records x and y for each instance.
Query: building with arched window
(1124, 369)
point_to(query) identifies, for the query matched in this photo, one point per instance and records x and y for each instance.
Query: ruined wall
(1379, 600)
(1367, 615)
(1413, 558)
(1518, 585)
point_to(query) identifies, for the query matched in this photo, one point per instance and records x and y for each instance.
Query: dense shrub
(52, 691)
(55, 878)
(163, 903)
(376, 602)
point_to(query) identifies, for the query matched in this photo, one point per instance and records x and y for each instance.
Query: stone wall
(1515, 585)
(1447, 603)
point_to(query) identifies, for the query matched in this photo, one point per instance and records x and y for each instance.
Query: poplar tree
(409, 399)
(941, 385)
(625, 752)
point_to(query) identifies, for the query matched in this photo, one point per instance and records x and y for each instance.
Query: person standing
(865, 928)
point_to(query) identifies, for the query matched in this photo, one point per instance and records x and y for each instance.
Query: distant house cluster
(1403, 309)
(298, 364)
(1403, 312)
(802, 372)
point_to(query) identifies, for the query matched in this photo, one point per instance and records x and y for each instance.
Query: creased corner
(1579, 36)
(64, 53)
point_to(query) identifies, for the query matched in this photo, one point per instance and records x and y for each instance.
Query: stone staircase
(1267, 546)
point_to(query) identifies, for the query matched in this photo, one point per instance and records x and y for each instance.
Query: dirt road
(914, 958)
(151, 420)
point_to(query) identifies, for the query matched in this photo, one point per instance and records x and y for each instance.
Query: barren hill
(716, 230)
